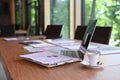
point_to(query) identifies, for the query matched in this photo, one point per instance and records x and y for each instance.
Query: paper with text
(49, 59)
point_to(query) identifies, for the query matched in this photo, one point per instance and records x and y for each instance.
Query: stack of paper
(16, 39)
(37, 43)
(32, 49)
(32, 42)
(105, 49)
(49, 59)
(62, 42)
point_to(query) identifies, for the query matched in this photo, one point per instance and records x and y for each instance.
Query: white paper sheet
(16, 39)
(32, 49)
(106, 50)
(48, 58)
(41, 45)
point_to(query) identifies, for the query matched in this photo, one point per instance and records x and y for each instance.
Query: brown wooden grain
(20, 69)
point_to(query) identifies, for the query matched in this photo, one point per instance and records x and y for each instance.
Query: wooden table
(19, 69)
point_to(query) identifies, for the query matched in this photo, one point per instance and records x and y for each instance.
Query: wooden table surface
(19, 69)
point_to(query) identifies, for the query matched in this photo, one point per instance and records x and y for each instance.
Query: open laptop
(79, 53)
(87, 38)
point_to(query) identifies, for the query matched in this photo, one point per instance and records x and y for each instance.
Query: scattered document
(54, 49)
(49, 59)
(62, 42)
(37, 43)
(41, 45)
(32, 49)
(105, 50)
(28, 42)
(16, 39)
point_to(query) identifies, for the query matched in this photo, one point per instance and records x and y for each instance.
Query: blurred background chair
(7, 30)
(19, 31)
(17, 26)
(101, 35)
(53, 31)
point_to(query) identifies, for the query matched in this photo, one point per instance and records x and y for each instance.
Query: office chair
(17, 26)
(7, 30)
(101, 35)
(53, 31)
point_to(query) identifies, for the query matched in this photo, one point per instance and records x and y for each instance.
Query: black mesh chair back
(7, 30)
(53, 31)
(101, 35)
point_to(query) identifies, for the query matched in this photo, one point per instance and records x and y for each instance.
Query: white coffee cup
(93, 58)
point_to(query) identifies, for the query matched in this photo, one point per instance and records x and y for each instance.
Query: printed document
(49, 59)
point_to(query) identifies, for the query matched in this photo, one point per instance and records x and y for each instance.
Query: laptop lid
(87, 38)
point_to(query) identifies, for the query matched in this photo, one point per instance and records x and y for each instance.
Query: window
(59, 14)
(18, 13)
(33, 19)
(29, 14)
(108, 14)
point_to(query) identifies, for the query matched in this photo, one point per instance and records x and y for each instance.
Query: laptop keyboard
(70, 53)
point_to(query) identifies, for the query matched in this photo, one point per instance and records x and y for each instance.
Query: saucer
(86, 63)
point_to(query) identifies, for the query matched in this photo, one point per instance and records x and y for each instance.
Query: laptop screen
(87, 38)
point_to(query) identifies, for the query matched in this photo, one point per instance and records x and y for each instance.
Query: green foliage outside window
(108, 14)
(18, 13)
(60, 15)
